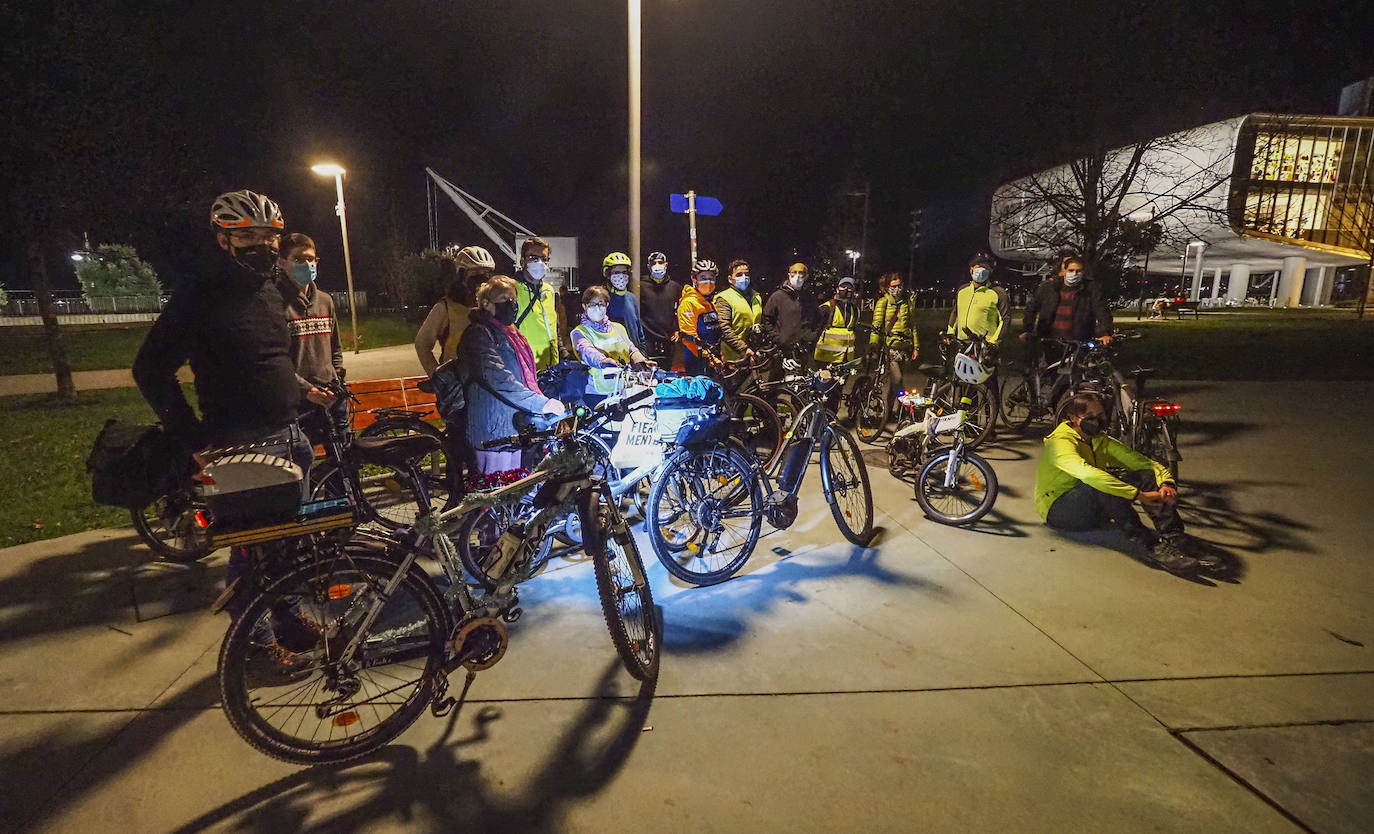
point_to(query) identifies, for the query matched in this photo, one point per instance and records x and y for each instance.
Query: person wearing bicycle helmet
(537, 318)
(697, 321)
(978, 307)
(658, 299)
(601, 343)
(624, 307)
(1075, 492)
(738, 308)
(449, 317)
(230, 324)
(315, 348)
(839, 314)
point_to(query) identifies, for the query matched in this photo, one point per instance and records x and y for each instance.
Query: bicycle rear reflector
(340, 591)
(1165, 409)
(344, 719)
(202, 520)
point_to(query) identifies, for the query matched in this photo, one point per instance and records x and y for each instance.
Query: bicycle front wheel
(705, 512)
(844, 480)
(757, 426)
(1016, 411)
(968, 499)
(284, 686)
(627, 604)
(980, 411)
(873, 410)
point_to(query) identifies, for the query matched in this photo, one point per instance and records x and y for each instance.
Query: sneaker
(1166, 555)
(1207, 559)
(276, 665)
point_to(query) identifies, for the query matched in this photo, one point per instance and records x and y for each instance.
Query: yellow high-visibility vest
(837, 341)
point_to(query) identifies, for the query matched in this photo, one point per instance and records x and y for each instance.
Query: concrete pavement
(376, 363)
(945, 679)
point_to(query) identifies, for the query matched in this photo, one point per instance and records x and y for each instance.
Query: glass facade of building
(1305, 180)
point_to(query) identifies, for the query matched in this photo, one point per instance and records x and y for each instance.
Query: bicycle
(955, 486)
(872, 394)
(370, 612)
(707, 506)
(757, 422)
(1030, 393)
(960, 384)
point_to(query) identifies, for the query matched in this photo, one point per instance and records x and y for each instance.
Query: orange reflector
(340, 591)
(202, 520)
(977, 481)
(344, 719)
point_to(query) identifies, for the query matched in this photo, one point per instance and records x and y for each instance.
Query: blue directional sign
(708, 206)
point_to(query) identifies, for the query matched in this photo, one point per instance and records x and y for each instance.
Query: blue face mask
(303, 274)
(741, 282)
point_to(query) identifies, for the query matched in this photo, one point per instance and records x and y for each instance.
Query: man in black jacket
(1067, 307)
(658, 298)
(791, 318)
(230, 324)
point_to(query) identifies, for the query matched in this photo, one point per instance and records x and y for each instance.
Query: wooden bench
(400, 392)
(1182, 307)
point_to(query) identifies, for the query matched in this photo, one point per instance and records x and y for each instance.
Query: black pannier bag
(566, 381)
(133, 465)
(447, 384)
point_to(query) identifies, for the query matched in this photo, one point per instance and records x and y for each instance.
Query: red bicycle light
(202, 520)
(1165, 409)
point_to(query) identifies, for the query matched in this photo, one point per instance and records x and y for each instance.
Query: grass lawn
(45, 491)
(23, 350)
(1246, 344)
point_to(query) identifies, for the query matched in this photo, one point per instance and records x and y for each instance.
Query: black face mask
(506, 312)
(259, 259)
(1091, 426)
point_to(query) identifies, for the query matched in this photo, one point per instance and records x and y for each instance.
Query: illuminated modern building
(1279, 208)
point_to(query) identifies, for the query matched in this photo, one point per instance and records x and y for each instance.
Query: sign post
(692, 204)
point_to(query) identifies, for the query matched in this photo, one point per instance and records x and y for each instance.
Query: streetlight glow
(328, 169)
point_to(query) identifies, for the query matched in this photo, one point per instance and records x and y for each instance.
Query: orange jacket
(692, 306)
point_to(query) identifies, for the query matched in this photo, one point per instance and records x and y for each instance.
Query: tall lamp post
(634, 49)
(329, 169)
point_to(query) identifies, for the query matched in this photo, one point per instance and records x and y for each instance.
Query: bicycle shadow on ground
(701, 620)
(1209, 432)
(435, 789)
(1111, 539)
(107, 580)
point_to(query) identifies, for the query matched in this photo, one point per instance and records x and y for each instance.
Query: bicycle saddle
(1140, 375)
(393, 450)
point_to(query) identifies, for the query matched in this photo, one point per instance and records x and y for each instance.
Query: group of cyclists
(263, 344)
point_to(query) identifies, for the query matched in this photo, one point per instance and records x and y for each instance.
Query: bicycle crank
(479, 644)
(781, 509)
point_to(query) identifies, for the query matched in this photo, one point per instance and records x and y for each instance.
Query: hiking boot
(276, 665)
(1207, 559)
(1166, 555)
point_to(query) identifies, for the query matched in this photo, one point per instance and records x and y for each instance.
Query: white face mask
(895, 292)
(981, 275)
(596, 313)
(658, 270)
(536, 269)
(796, 281)
(620, 280)
(1072, 279)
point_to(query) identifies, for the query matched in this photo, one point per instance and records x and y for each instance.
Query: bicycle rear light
(1166, 409)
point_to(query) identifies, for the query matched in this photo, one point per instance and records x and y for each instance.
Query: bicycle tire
(932, 477)
(385, 490)
(980, 413)
(1015, 403)
(331, 581)
(682, 486)
(434, 466)
(1162, 445)
(196, 544)
(853, 474)
(874, 410)
(475, 537)
(636, 630)
(761, 429)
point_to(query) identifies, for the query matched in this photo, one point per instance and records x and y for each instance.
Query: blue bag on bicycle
(688, 391)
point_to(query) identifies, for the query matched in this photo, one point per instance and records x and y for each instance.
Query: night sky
(773, 107)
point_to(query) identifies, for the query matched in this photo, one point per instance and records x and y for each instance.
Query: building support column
(1313, 291)
(1196, 294)
(1291, 280)
(1216, 283)
(1239, 285)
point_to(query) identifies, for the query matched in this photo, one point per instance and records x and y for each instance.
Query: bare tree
(1084, 206)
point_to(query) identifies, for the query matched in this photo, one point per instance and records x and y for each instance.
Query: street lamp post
(329, 169)
(853, 256)
(634, 48)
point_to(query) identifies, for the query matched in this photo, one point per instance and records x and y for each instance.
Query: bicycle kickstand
(442, 706)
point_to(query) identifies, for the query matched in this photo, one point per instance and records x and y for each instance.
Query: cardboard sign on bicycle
(638, 443)
(946, 423)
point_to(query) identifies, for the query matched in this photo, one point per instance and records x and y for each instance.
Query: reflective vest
(615, 343)
(539, 325)
(743, 314)
(837, 341)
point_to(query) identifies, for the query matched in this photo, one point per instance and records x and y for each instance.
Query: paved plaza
(995, 678)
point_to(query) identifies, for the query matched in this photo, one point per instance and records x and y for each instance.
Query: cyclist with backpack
(448, 318)
(697, 321)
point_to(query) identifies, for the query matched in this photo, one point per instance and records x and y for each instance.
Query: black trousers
(1085, 508)
(660, 350)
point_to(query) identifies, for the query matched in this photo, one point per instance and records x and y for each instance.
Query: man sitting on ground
(1073, 490)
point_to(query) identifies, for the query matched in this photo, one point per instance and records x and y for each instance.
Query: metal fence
(23, 303)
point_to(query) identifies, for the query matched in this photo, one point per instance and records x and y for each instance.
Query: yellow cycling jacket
(1070, 459)
(977, 309)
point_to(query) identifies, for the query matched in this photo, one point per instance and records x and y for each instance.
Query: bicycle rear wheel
(433, 467)
(874, 409)
(386, 489)
(705, 512)
(757, 426)
(627, 603)
(478, 534)
(1016, 406)
(168, 526)
(969, 499)
(324, 710)
(980, 411)
(844, 480)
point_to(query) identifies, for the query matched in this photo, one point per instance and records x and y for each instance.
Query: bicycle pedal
(512, 615)
(439, 709)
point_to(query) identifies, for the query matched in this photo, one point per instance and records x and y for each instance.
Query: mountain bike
(873, 391)
(1030, 393)
(707, 506)
(381, 636)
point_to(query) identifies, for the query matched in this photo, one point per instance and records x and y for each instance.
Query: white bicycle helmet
(474, 257)
(705, 265)
(970, 370)
(245, 209)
